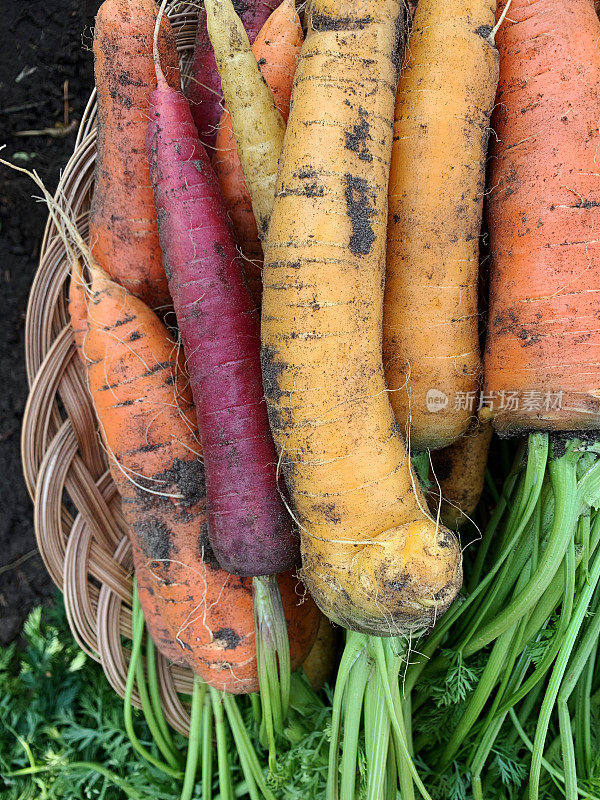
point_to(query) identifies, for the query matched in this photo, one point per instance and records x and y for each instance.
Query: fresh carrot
(257, 124)
(441, 127)
(145, 409)
(136, 382)
(373, 557)
(539, 571)
(249, 527)
(204, 87)
(276, 50)
(78, 304)
(542, 361)
(321, 663)
(459, 474)
(123, 230)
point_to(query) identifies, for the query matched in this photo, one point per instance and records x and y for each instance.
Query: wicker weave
(79, 527)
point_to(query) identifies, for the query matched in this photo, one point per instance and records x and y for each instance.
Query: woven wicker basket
(79, 527)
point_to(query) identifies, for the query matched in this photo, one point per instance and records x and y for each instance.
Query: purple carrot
(249, 527)
(204, 87)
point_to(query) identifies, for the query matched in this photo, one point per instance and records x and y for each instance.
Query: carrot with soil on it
(204, 86)
(543, 341)
(458, 475)
(349, 475)
(540, 578)
(250, 530)
(374, 559)
(544, 337)
(321, 663)
(123, 229)
(441, 127)
(276, 50)
(257, 124)
(142, 397)
(197, 613)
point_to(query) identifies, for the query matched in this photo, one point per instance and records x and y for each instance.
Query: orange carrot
(442, 120)
(276, 48)
(322, 661)
(195, 611)
(542, 362)
(123, 228)
(459, 473)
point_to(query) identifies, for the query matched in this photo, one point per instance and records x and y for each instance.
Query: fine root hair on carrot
(459, 473)
(64, 224)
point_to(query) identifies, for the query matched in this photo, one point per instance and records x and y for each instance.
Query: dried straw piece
(89, 557)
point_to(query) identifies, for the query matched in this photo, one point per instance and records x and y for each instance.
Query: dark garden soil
(43, 43)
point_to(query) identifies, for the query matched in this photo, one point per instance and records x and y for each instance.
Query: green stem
(564, 484)
(376, 644)
(568, 750)
(379, 738)
(585, 648)
(557, 675)
(273, 659)
(391, 776)
(355, 643)
(207, 748)
(191, 766)
(153, 687)
(353, 706)
(148, 712)
(490, 735)
(583, 714)
(222, 749)
(251, 787)
(136, 649)
(256, 708)
(396, 653)
(244, 746)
